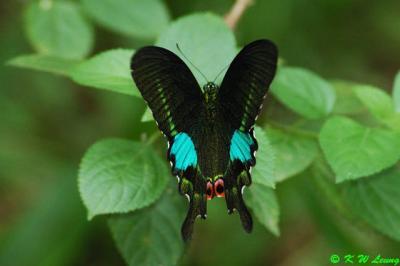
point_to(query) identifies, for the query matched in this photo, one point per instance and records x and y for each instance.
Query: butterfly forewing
(246, 83)
(168, 87)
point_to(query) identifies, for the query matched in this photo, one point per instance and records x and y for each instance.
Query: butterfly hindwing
(241, 96)
(182, 153)
(242, 147)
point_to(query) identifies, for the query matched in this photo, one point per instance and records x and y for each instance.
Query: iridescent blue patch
(240, 146)
(183, 151)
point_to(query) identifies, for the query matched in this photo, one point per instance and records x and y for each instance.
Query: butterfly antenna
(220, 73)
(179, 49)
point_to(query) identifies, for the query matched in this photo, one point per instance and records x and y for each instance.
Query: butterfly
(210, 131)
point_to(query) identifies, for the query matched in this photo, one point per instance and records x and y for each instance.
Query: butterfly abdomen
(212, 144)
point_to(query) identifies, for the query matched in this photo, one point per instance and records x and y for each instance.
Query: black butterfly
(210, 131)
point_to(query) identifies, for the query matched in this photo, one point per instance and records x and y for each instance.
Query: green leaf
(260, 195)
(58, 28)
(396, 92)
(137, 18)
(109, 70)
(263, 172)
(262, 200)
(205, 40)
(375, 199)
(347, 101)
(294, 152)
(372, 199)
(379, 104)
(354, 151)
(376, 100)
(47, 63)
(304, 92)
(117, 176)
(151, 236)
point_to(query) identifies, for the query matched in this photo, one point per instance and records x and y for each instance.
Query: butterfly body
(210, 131)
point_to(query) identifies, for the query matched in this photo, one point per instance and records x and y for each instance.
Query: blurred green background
(48, 122)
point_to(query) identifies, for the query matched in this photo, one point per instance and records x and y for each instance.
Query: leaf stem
(237, 10)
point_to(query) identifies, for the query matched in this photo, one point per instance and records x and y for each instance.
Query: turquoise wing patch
(241, 146)
(183, 152)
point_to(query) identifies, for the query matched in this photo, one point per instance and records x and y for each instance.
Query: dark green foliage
(312, 134)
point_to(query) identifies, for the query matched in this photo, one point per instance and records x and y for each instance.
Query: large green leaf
(117, 176)
(375, 199)
(304, 92)
(109, 70)
(260, 195)
(205, 40)
(58, 28)
(379, 104)
(396, 92)
(263, 172)
(151, 236)
(354, 151)
(137, 18)
(47, 63)
(376, 100)
(262, 200)
(294, 152)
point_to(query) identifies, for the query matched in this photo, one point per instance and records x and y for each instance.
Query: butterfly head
(210, 91)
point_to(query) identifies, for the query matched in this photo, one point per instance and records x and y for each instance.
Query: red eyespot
(219, 189)
(210, 191)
